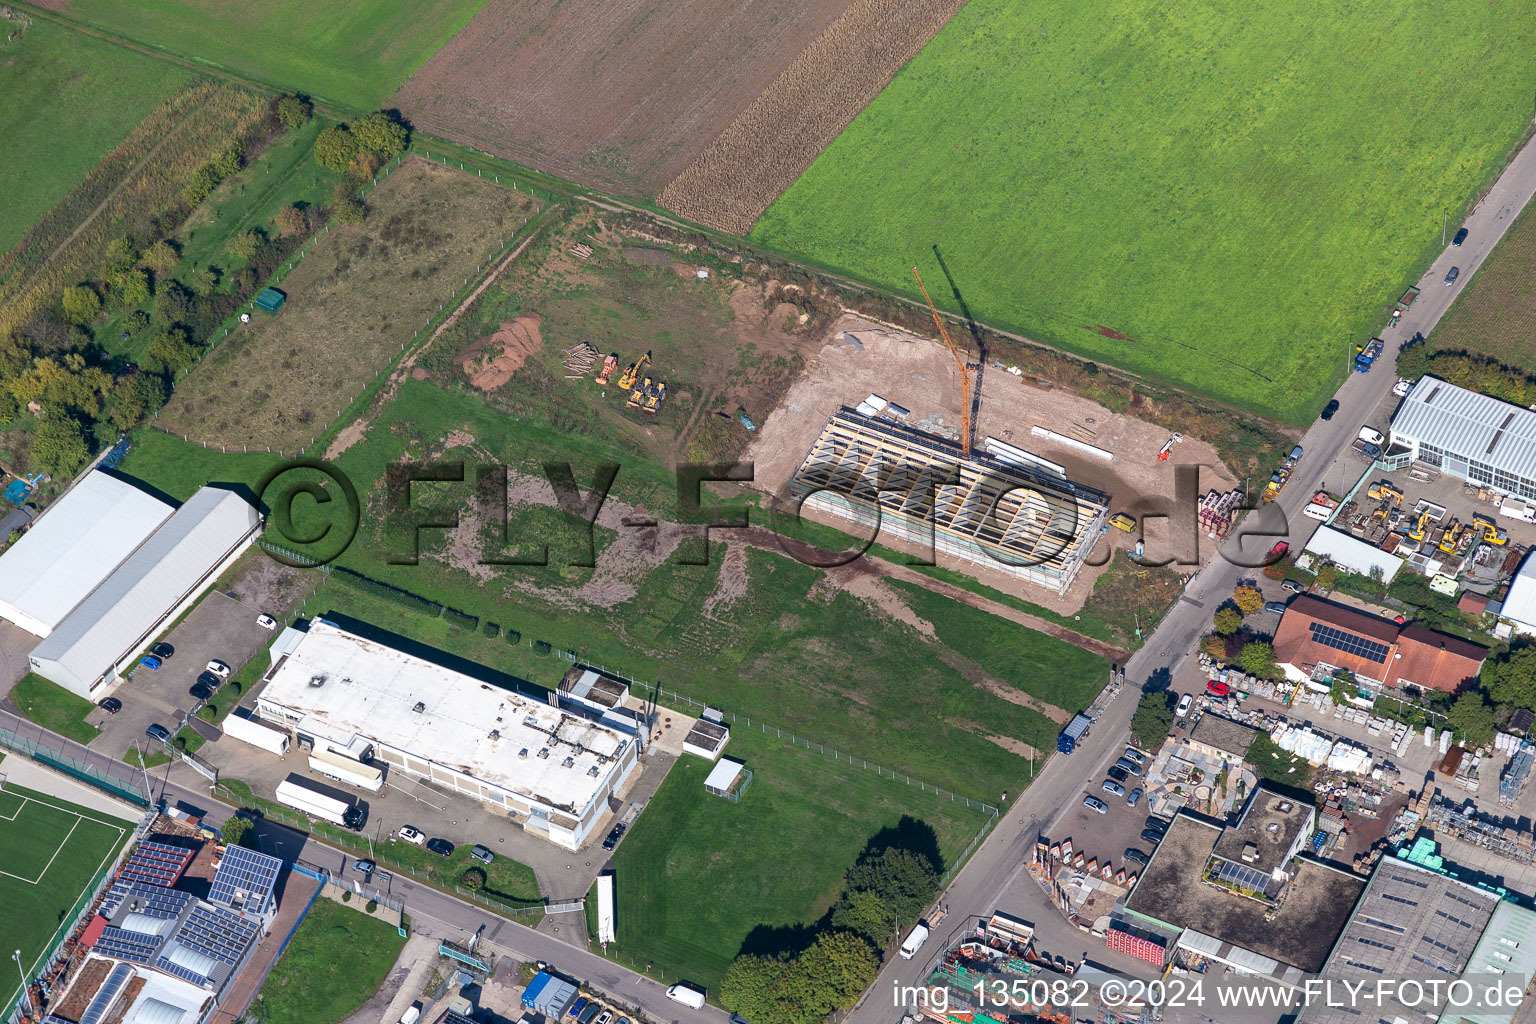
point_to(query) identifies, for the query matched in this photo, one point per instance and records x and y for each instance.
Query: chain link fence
(111, 777)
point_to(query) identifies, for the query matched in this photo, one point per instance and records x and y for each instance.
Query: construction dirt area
(921, 376)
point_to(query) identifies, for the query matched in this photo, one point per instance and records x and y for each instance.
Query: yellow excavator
(1383, 490)
(638, 394)
(654, 397)
(1490, 530)
(1416, 532)
(627, 381)
(1451, 536)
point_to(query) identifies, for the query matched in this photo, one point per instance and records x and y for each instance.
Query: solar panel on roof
(124, 945)
(1243, 875)
(144, 898)
(217, 933)
(245, 880)
(1349, 643)
(107, 995)
(157, 863)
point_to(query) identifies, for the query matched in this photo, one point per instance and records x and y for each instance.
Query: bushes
(208, 177)
(374, 588)
(490, 630)
(513, 637)
(466, 622)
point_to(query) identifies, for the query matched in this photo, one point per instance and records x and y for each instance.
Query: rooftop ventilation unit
(531, 722)
(420, 707)
(593, 771)
(495, 734)
(317, 680)
(569, 762)
(523, 752)
(543, 751)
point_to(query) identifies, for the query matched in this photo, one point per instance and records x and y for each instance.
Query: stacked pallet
(582, 250)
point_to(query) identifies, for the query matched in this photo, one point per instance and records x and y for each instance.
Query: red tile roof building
(1315, 633)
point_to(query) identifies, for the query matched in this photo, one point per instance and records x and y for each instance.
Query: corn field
(139, 179)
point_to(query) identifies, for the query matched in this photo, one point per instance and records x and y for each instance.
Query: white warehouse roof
(1469, 425)
(1520, 604)
(72, 547)
(341, 684)
(127, 609)
(1353, 554)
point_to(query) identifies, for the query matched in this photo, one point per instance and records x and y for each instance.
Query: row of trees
(1231, 643)
(886, 890)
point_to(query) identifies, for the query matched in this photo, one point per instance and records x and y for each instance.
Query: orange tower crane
(965, 375)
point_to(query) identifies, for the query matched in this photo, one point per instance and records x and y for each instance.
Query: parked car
(481, 854)
(1291, 586)
(606, 1017)
(1371, 435)
(1093, 803)
(1135, 856)
(590, 1013)
(1134, 798)
(1451, 276)
(1402, 387)
(1461, 236)
(210, 680)
(1217, 687)
(266, 622)
(150, 662)
(1117, 773)
(364, 867)
(158, 732)
(614, 835)
(411, 835)
(218, 668)
(1112, 787)
(1331, 408)
(1132, 754)
(111, 705)
(1278, 551)
(1151, 835)
(200, 692)
(441, 847)
(1156, 824)
(1131, 767)
(1277, 607)
(162, 651)
(576, 1008)
(1184, 703)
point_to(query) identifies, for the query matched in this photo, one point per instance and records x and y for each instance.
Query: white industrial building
(1352, 554)
(1520, 603)
(85, 534)
(1466, 435)
(102, 635)
(552, 770)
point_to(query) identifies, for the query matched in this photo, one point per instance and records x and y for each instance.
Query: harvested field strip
(365, 290)
(793, 120)
(142, 182)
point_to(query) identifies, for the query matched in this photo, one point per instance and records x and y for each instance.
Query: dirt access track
(625, 95)
(920, 375)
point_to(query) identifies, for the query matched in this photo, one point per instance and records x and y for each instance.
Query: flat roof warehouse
(337, 685)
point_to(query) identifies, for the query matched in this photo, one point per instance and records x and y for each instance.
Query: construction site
(983, 468)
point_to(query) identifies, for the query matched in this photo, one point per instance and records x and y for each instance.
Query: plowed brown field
(619, 94)
(793, 120)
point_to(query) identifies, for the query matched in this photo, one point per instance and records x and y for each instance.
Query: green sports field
(1221, 195)
(50, 853)
(69, 99)
(351, 53)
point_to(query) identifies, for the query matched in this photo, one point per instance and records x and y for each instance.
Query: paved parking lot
(1105, 836)
(219, 627)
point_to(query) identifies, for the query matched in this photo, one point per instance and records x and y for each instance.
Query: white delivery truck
(257, 733)
(687, 995)
(320, 802)
(1514, 508)
(915, 939)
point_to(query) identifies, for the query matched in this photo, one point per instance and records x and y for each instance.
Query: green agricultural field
(356, 54)
(698, 874)
(1495, 315)
(69, 99)
(334, 964)
(1219, 195)
(50, 853)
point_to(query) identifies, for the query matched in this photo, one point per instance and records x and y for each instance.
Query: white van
(687, 995)
(915, 939)
(1372, 436)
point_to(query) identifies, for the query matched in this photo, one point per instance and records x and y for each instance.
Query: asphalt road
(1064, 780)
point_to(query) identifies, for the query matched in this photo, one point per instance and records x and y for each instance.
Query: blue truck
(1075, 731)
(1367, 355)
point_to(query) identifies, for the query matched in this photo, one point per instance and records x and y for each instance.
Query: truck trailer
(314, 800)
(257, 733)
(1073, 733)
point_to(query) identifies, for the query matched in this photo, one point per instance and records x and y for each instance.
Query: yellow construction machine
(655, 396)
(627, 380)
(1383, 490)
(1416, 531)
(1490, 529)
(1451, 536)
(638, 394)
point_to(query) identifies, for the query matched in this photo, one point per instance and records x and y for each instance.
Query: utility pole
(26, 1000)
(1443, 218)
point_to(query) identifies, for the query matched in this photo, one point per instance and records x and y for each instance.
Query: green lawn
(53, 707)
(334, 964)
(69, 99)
(57, 849)
(1234, 193)
(350, 53)
(697, 873)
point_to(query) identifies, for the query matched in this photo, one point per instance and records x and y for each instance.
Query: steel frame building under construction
(1018, 520)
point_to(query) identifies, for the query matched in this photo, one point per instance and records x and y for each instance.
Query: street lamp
(26, 1002)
